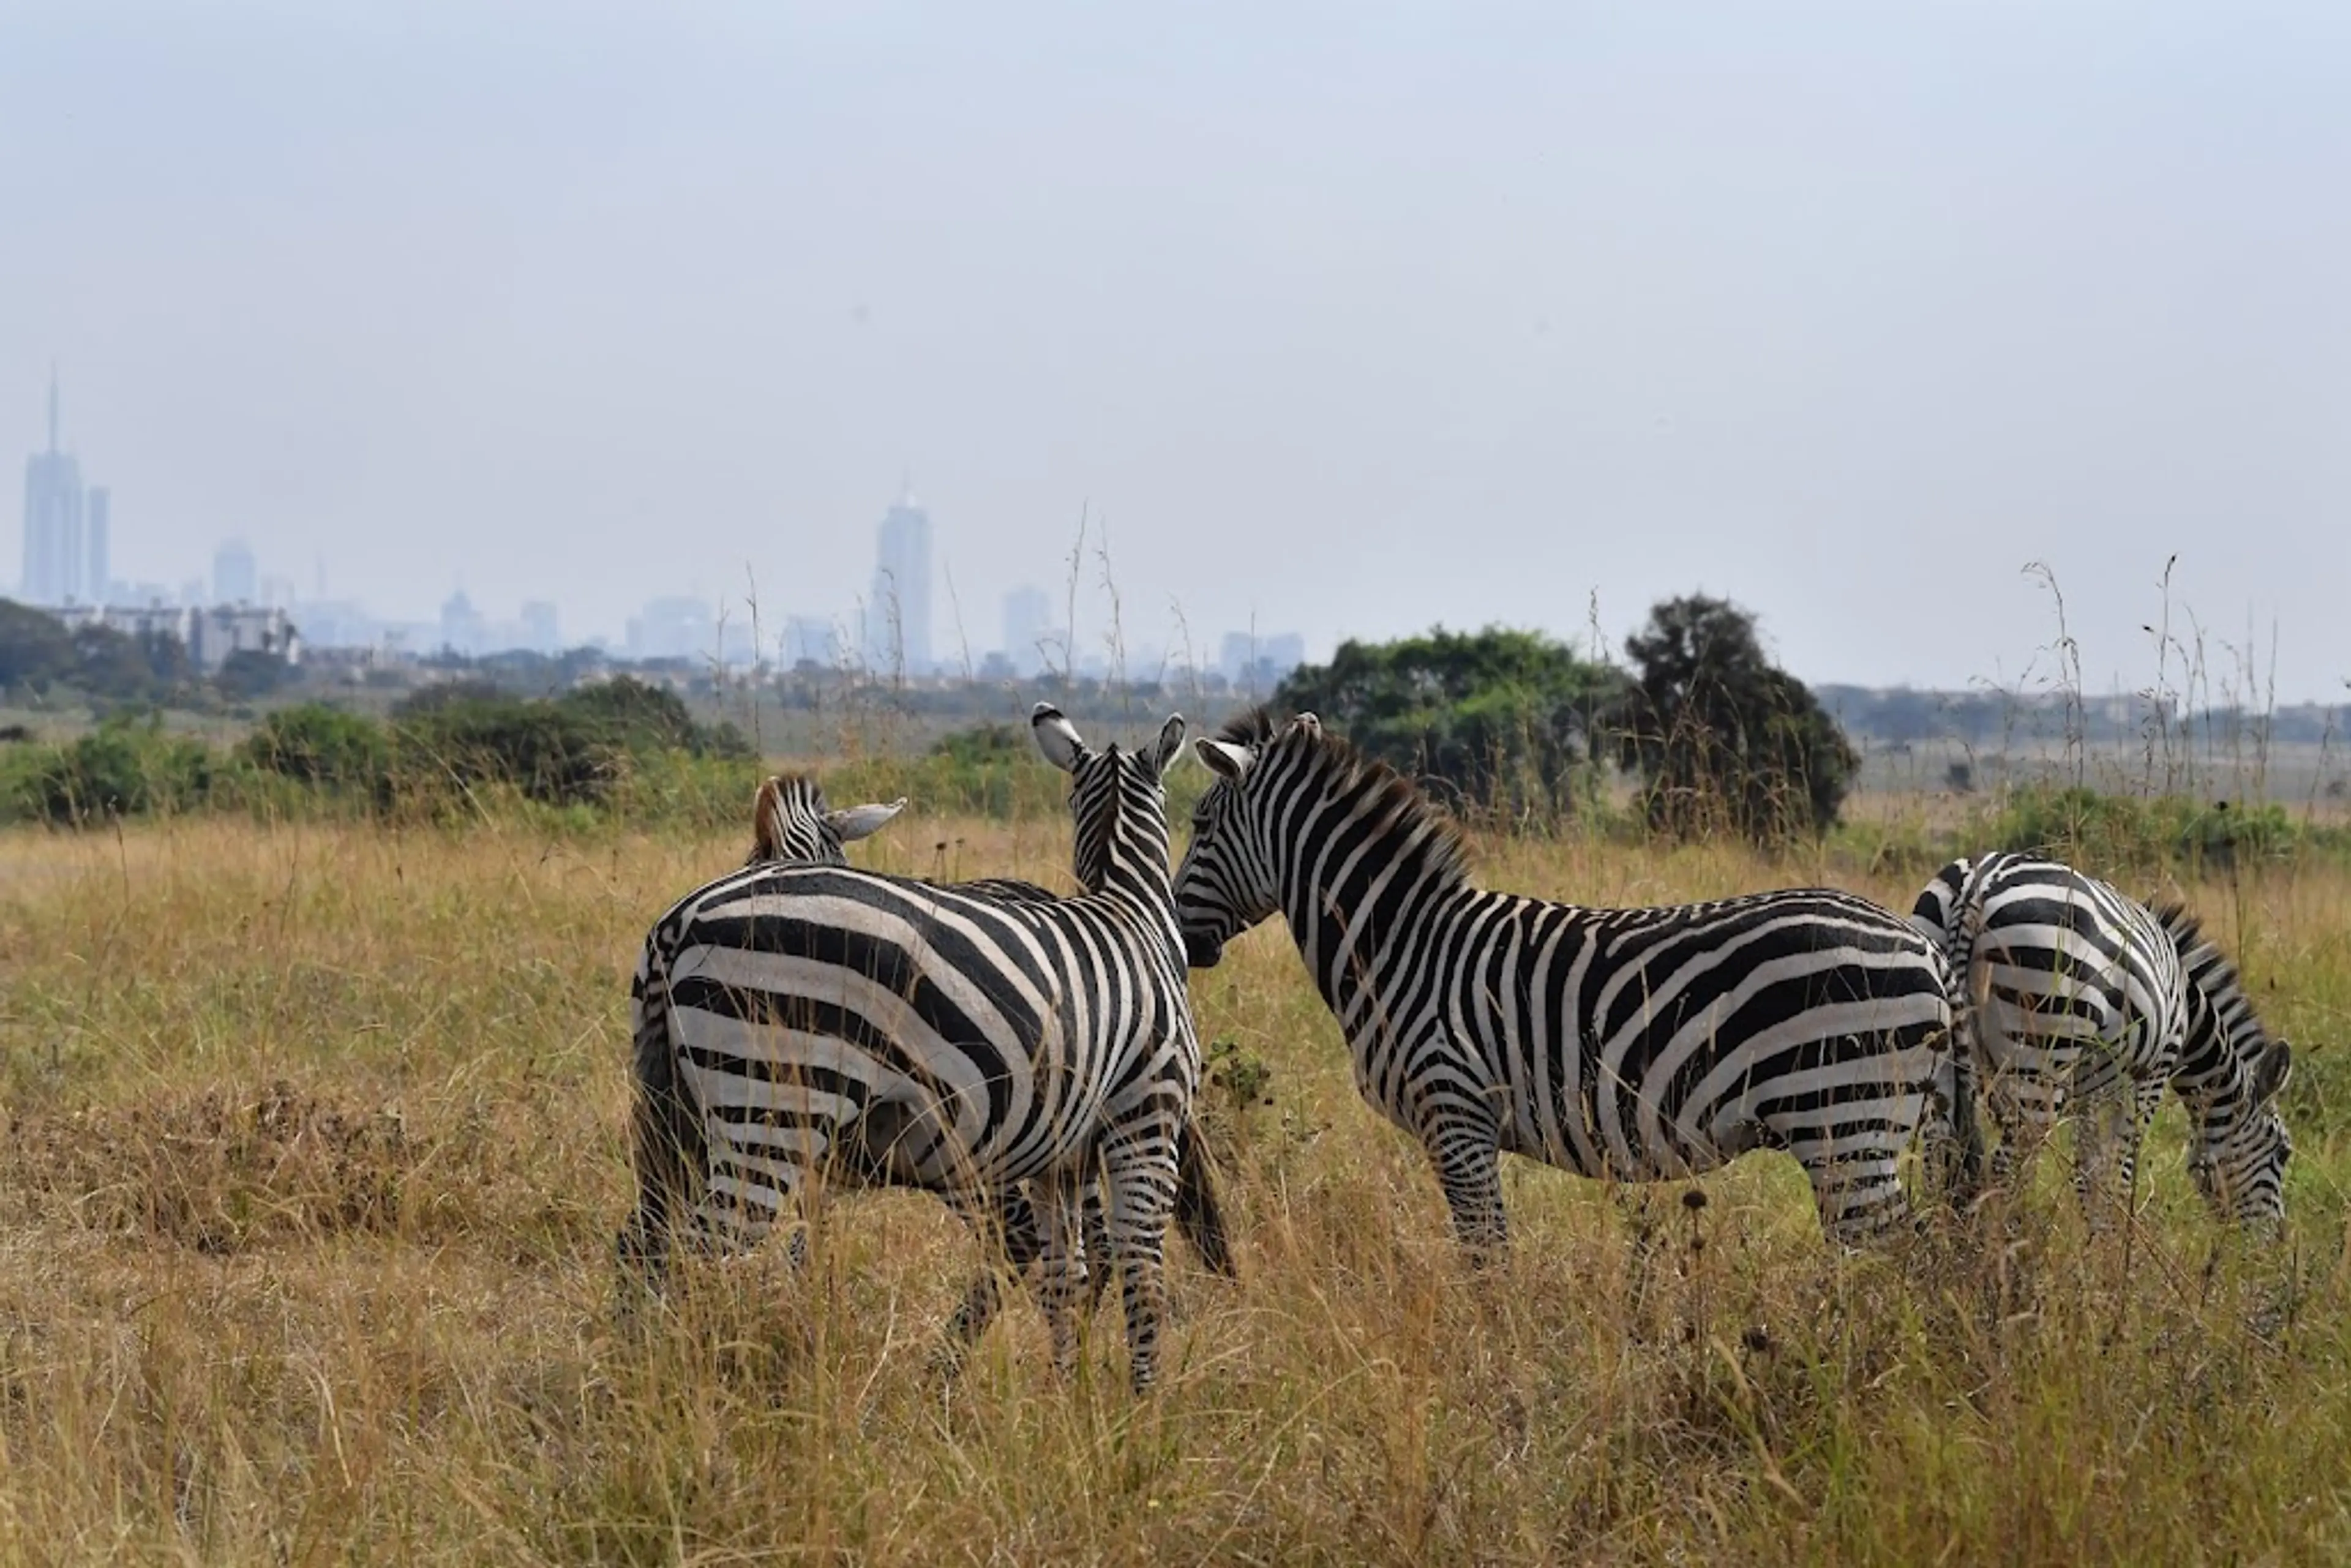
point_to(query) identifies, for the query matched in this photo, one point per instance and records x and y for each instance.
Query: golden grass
(315, 1153)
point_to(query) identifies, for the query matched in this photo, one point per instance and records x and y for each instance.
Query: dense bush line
(619, 745)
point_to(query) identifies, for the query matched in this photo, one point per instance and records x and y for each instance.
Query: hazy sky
(1356, 317)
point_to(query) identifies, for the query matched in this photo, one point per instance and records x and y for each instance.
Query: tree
(34, 648)
(1504, 717)
(1723, 738)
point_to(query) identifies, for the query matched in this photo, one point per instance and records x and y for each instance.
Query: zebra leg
(1139, 1161)
(1466, 1146)
(2107, 1128)
(1064, 1260)
(1094, 1232)
(666, 1143)
(1007, 1227)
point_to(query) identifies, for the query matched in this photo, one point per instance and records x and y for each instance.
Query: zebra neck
(1128, 885)
(1358, 925)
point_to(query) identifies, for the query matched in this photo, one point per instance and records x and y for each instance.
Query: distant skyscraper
(96, 521)
(1030, 640)
(810, 639)
(673, 629)
(540, 627)
(898, 614)
(461, 624)
(235, 581)
(1255, 665)
(53, 552)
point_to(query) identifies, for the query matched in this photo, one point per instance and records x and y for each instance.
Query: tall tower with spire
(898, 615)
(56, 559)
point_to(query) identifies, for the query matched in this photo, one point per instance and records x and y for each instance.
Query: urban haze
(1048, 333)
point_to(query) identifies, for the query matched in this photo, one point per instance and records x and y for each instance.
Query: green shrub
(327, 746)
(125, 767)
(2083, 826)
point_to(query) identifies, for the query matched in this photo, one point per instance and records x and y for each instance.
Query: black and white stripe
(2231, 1072)
(1636, 1044)
(791, 823)
(2082, 1002)
(2076, 1003)
(831, 1025)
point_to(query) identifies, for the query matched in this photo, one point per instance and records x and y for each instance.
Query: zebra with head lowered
(835, 1025)
(2081, 1000)
(1636, 1044)
(790, 823)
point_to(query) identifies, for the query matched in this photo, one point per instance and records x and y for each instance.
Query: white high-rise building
(898, 612)
(55, 556)
(235, 579)
(97, 522)
(1031, 640)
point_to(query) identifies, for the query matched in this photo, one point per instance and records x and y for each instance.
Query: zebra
(2075, 998)
(790, 823)
(2230, 1074)
(828, 1023)
(1640, 1045)
(2081, 999)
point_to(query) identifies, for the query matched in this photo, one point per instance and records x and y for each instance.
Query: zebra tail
(1969, 996)
(665, 1124)
(1197, 1212)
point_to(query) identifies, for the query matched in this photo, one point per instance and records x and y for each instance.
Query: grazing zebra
(2081, 999)
(831, 1024)
(790, 823)
(2229, 1075)
(1638, 1044)
(2075, 998)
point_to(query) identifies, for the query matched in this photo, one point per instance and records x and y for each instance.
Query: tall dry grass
(315, 1155)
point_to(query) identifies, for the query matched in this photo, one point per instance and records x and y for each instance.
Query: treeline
(1719, 737)
(455, 747)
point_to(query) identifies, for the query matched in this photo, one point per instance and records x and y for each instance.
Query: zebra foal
(1636, 1044)
(834, 1025)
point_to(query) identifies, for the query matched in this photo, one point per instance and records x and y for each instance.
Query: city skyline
(66, 524)
(1533, 320)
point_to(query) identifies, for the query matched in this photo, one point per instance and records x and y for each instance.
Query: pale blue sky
(1354, 316)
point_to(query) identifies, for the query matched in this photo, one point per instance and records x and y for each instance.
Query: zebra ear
(853, 822)
(1056, 738)
(1170, 747)
(1222, 758)
(2276, 1067)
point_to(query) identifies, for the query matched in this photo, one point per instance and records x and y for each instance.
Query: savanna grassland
(316, 1152)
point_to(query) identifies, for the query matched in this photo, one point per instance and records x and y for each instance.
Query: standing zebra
(831, 1024)
(790, 823)
(1638, 1044)
(2081, 999)
(2075, 998)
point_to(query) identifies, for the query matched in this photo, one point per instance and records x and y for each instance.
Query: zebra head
(1226, 882)
(1118, 804)
(2231, 1069)
(790, 823)
(2239, 1160)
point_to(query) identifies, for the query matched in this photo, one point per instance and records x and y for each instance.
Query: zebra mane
(1405, 814)
(2211, 968)
(1250, 727)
